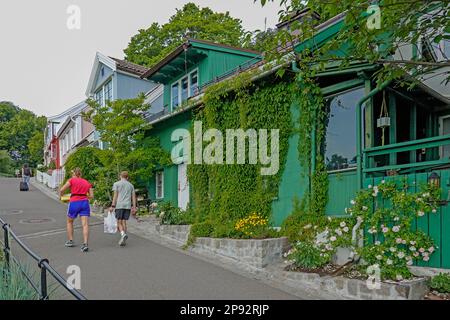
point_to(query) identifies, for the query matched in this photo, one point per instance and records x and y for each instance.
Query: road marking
(53, 232)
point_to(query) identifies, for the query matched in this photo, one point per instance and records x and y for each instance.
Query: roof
(130, 67)
(296, 15)
(200, 44)
(71, 111)
(114, 64)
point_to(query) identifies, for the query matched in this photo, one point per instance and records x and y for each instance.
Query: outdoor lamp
(434, 179)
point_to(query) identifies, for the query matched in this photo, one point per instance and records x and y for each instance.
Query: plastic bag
(110, 223)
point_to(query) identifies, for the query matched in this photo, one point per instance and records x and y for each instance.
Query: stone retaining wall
(358, 289)
(253, 253)
(177, 233)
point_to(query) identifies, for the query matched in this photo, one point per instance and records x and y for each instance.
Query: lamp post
(434, 180)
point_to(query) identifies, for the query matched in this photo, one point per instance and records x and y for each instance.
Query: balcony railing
(395, 148)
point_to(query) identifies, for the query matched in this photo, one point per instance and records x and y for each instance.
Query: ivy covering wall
(223, 194)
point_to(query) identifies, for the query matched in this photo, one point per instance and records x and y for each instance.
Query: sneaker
(123, 240)
(84, 248)
(69, 244)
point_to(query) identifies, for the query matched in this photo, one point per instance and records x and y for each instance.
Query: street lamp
(434, 180)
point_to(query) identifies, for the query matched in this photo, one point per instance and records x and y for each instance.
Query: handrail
(43, 264)
(408, 145)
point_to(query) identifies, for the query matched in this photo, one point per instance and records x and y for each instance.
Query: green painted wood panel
(342, 188)
(436, 225)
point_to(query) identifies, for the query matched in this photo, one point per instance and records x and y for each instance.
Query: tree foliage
(122, 128)
(402, 22)
(5, 162)
(152, 44)
(21, 134)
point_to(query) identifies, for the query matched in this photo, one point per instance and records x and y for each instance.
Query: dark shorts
(123, 214)
(79, 208)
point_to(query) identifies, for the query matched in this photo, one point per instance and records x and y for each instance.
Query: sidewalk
(271, 276)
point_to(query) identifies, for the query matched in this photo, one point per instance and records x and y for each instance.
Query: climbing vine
(313, 119)
(223, 194)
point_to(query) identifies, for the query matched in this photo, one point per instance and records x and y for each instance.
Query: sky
(45, 66)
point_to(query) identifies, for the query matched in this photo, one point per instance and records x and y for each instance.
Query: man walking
(81, 193)
(124, 203)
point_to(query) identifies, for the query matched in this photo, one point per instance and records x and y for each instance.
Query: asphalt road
(141, 270)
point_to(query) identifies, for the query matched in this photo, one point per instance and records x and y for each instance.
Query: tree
(402, 22)
(151, 45)
(122, 128)
(36, 148)
(17, 128)
(5, 162)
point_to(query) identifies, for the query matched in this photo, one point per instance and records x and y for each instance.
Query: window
(159, 184)
(108, 91)
(184, 88)
(340, 145)
(99, 97)
(194, 83)
(104, 94)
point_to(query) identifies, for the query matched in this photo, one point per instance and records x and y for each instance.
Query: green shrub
(173, 215)
(17, 286)
(88, 159)
(202, 229)
(440, 283)
(306, 255)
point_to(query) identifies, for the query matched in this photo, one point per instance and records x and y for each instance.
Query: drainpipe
(313, 131)
(359, 130)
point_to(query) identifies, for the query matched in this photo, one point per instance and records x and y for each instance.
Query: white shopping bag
(110, 223)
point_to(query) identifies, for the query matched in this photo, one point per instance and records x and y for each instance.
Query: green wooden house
(372, 134)
(184, 73)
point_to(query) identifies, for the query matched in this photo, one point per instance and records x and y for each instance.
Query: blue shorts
(79, 208)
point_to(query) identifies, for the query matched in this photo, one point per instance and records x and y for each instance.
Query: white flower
(382, 181)
(346, 210)
(345, 229)
(416, 254)
(398, 240)
(377, 243)
(412, 248)
(396, 228)
(329, 247)
(426, 194)
(396, 218)
(431, 249)
(425, 254)
(399, 277)
(420, 213)
(353, 202)
(412, 242)
(426, 258)
(385, 229)
(434, 210)
(421, 250)
(389, 262)
(409, 262)
(365, 208)
(154, 204)
(338, 232)
(307, 226)
(342, 224)
(392, 249)
(401, 254)
(162, 214)
(379, 257)
(333, 238)
(403, 241)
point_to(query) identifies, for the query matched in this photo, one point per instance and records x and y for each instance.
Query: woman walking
(81, 192)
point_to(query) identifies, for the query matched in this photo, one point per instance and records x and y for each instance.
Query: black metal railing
(43, 264)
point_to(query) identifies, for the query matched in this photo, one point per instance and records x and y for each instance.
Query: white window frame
(178, 83)
(161, 175)
(102, 89)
